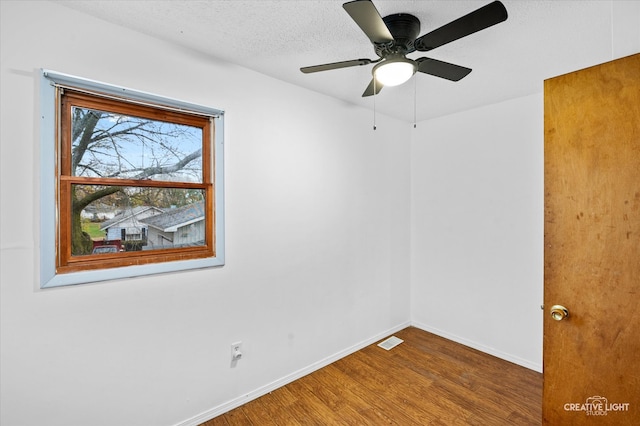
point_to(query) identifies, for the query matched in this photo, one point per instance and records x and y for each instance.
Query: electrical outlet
(236, 351)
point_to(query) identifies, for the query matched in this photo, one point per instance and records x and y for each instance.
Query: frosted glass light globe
(393, 72)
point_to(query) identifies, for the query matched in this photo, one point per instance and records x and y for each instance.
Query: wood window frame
(59, 94)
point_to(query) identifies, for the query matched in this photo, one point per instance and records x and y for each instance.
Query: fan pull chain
(374, 103)
(415, 99)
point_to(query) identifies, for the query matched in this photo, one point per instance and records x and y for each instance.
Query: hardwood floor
(427, 380)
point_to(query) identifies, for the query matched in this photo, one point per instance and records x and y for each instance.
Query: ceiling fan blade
(336, 65)
(442, 69)
(482, 18)
(365, 14)
(373, 88)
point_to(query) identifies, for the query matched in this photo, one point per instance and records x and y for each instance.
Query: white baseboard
(237, 402)
(491, 351)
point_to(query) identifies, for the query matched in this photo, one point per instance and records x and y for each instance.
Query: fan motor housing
(404, 28)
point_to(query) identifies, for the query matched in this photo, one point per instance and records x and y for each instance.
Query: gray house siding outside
(177, 227)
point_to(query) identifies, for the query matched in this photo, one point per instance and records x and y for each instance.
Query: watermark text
(597, 406)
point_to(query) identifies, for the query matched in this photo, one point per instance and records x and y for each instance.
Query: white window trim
(48, 209)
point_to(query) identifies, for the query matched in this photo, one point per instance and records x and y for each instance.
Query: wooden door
(592, 246)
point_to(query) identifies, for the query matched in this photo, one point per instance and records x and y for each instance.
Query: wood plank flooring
(427, 380)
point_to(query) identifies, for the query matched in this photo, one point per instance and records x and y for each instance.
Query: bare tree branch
(150, 171)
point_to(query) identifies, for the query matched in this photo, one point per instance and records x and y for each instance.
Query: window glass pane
(134, 219)
(110, 145)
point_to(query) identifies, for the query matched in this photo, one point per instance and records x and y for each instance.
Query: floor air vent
(390, 343)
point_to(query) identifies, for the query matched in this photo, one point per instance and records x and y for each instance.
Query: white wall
(317, 249)
(477, 223)
(477, 217)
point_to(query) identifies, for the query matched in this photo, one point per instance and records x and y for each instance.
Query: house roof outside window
(175, 218)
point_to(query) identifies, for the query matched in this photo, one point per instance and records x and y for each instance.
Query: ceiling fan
(396, 35)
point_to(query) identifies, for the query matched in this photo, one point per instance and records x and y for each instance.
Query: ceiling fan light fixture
(394, 71)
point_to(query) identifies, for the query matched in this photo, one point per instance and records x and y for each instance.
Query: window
(137, 183)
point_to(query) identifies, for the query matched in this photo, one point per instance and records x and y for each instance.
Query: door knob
(559, 312)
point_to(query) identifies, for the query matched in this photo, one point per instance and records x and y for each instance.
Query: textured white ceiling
(540, 39)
